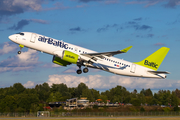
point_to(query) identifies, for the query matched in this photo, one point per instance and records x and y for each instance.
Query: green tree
(148, 92)
(164, 97)
(87, 93)
(8, 104)
(43, 91)
(95, 94)
(55, 97)
(141, 97)
(104, 98)
(174, 100)
(34, 107)
(19, 87)
(72, 92)
(149, 100)
(79, 89)
(177, 92)
(135, 101)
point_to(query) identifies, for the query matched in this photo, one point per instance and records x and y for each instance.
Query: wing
(102, 55)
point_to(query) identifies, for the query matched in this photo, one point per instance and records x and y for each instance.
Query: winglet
(126, 49)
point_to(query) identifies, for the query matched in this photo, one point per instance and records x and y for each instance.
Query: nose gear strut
(21, 46)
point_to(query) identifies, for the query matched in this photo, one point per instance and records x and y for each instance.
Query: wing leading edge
(103, 54)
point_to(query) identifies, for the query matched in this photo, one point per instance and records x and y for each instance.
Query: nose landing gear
(21, 46)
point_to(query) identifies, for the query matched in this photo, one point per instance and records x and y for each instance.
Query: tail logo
(152, 64)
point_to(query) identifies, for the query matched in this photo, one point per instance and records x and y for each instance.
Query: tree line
(17, 98)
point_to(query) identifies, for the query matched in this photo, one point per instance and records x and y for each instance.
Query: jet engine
(59, 61)
(65, 57)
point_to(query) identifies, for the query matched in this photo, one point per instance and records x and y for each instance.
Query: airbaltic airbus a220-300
(65, 54)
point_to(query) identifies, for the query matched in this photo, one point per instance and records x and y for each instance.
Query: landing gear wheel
(19, 52)
(21, 46)
(85, 70)
(79, 71)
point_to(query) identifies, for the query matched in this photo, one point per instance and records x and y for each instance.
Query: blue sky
(100, 25)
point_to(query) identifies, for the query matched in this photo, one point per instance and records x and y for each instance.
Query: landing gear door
(33, 38)
(133, 68)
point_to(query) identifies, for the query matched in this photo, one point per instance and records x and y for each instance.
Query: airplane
(65, 54)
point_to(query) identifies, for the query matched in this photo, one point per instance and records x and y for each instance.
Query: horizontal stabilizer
(159, 72)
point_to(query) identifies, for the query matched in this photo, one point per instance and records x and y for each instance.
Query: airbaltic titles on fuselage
(53, 42)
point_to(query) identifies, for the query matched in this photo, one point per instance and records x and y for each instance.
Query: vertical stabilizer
(154, 60)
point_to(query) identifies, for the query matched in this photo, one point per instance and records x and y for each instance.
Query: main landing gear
(79, 71)
(21, 46)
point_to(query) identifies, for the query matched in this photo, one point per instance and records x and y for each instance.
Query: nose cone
(12, 37)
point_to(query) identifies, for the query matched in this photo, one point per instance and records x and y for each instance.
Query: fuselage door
(75, 49)
(33, 38)
(133, 68)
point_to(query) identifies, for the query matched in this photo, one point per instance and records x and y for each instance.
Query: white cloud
(29, 58)
(33, 4)
(51, 65)
(71, 70)
(30, 55)
(29, 84)
(108, 82)
(5, 69)
(7, 48)
(25, 61)
(39, 21)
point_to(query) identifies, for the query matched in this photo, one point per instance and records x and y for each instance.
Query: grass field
(123, 118)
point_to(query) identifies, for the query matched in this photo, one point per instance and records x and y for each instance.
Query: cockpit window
(20, 33)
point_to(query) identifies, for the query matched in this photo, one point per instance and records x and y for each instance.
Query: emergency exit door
(133, 68)
(33, 38)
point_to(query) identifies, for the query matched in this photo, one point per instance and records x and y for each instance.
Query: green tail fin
(154, 60)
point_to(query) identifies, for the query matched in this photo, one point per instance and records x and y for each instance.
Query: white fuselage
(110, 64)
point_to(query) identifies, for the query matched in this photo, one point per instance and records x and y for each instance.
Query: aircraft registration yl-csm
(65, 54)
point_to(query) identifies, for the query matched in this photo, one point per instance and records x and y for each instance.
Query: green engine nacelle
(65, 58)
(59, 61)
(70, 56)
